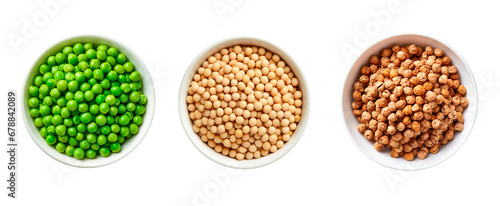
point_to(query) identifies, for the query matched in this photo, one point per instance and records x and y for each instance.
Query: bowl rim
(94, 163)
(195, 138)
(465, 69)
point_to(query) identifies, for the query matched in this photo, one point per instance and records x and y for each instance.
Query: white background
(324, 168)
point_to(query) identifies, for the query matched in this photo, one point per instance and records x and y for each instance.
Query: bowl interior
(445, 151)
(205, 149)
(130, 144)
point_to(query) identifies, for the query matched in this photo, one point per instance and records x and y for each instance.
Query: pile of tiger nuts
(410, 101)
(244, 102)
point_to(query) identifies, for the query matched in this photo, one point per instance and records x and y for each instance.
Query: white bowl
(130, 144)
(195, 138)
(445, 151)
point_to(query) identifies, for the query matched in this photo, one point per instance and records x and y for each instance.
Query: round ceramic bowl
(195, 138)
(383, 157)
(129, 145)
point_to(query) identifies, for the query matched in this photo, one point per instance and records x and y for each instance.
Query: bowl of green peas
(88, 101)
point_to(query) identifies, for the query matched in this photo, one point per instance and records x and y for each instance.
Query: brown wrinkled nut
(461, 90)
(409, 156)
(408, 99)
(394, 154)
(361, 128)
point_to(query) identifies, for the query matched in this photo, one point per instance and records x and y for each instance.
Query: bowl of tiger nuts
(409, 102)
(243, 103)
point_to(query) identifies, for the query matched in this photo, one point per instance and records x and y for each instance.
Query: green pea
(105, 130)
(101, 55)
(135, 97)
(45, 109)
(63, 138)
(92, 127)
(112, 137)
(113, 111)
(79, 96)
(57, 120)
(78, 48)
(61, 102)
(68, 68)
(51, 83)
(51, 139)
(95, 146)
(67, 50)
(67, 122)
(33, 102)
(91, 138)
(90, 154)
(122, 109)
(55, 93)
(83, 107)
(51, 129)
(88, 46)
(140, 110)
(69, 96)
(62, 85)
(112, 75)
(115, 147)
(33, 90)
(112, 52)
(76, 119)
(110, 120)
(70, 76)
(72, 86)
(92, 81)
(124, 131)
(111, 60)
(105, 84)
(70, 150)
(89, 95)
(130, 107)
(61, 147)
(82, 58)
(88, 73)
(60, 129)
(94, 109)
(79, 136)
(60, 58)
(47, 76)
(91, 54)
(104, 151)
(122, 79)
(123, 120)
(43, 69)
(121, 139)
(98, 74)
(72, 59)
(86, 118)
(65, 112)
(116, 91)
(100, 120)
(110, 100)
(72, 105)
(121, 58)
(56, 110)
(78, 153)
(101, 140)
(38, 81)
(51, 60)
(44, 132)
(134, 129)
(84, 144)
(129, 67)
(71, 131)
(82, 127)
(119, 69)
(34, 112)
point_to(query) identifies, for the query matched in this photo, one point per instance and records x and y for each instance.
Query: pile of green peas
(87, 100)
